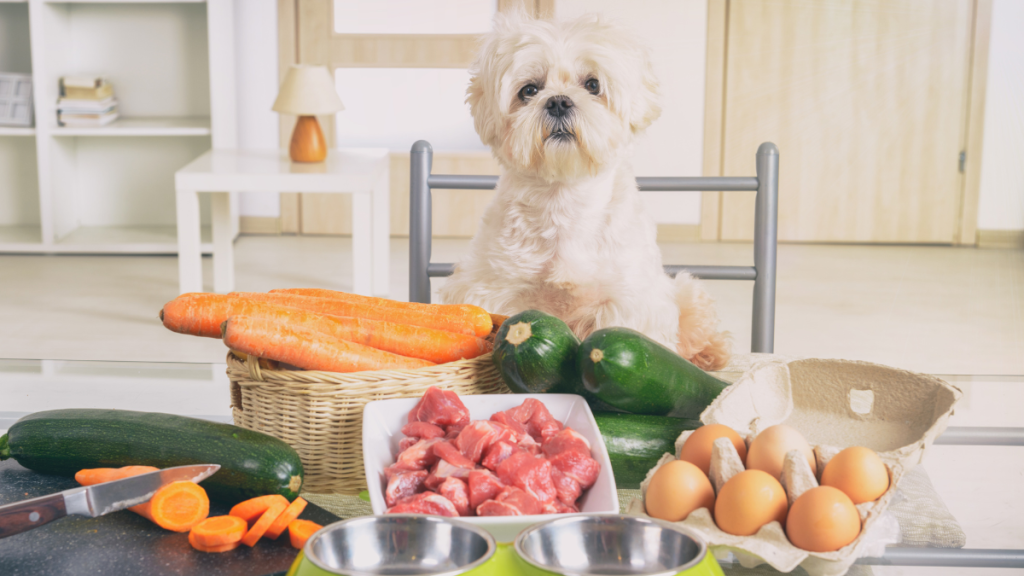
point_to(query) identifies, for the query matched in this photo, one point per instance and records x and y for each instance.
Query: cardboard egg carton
(834, 404)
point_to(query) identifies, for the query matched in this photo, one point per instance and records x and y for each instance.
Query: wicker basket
(320, 414)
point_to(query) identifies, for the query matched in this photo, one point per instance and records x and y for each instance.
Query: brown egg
(748, 501)
(697, 448)
(768, 450)
(677, 489)
(822, 519)
(858, 472)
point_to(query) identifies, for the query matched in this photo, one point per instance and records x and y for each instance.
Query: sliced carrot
(307, 348)
(219, 530)
(300, 530)
(220, 548)
(286, 517)
(413, 317)
(177, 506)
(473, 315)
(261, 525)
(251, 509)
(91, 476)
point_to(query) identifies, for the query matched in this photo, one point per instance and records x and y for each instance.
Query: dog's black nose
(558, 106)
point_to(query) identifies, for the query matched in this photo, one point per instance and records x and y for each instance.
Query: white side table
(362, 172)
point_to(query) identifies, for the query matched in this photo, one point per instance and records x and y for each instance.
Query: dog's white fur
(566, 232)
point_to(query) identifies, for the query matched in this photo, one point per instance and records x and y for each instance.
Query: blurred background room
(900, 126)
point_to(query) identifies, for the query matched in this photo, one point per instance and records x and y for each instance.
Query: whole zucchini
(66, 441)
(536, 354)
(635, 443)
(627, 370)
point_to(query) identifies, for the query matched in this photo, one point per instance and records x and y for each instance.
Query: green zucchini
(627, 370)
(66, 441)
(635, 443)
(536, 354)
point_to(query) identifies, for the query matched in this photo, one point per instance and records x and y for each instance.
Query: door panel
(866, 101)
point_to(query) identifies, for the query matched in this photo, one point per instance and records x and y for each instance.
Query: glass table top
(980, 484)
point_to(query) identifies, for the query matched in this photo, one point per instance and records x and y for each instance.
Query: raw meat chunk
(425, 503)
(496, 454)
(579, 467)
(519, 428)
(529, 445)
(457, 493)
(423, 430)
(419, 456)
(530, 473)
(477, 437)
(559, 507)
(445, 470)
(565, 440)
(403, 485)
(447, 451)
(534, 416)
(567, 489)
(483, 486)
(433, 480)
(519, 499)
(441, 408)
(406, 443)
(495, 508)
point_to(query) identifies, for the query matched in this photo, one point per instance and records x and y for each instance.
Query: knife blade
(97, 500)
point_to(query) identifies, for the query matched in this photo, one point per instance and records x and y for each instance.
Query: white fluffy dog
(560, 104)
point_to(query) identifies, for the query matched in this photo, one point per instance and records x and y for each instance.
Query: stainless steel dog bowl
(605, 544)
(399, 544)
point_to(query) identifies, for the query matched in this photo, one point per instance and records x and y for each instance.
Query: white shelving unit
(110, 189)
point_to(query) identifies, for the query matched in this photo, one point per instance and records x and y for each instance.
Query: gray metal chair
(766, 184)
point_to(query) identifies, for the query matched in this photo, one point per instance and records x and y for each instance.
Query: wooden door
(307, 36)
(868, 103)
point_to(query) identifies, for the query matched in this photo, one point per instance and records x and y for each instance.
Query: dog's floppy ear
(486, 74)
(645, 108)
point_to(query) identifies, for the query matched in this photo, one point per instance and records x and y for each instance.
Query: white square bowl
(382, 431)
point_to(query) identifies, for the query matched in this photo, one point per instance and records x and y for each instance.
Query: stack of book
(86, 101)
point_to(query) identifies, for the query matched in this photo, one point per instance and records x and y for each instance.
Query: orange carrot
(307, 348)
(300, 530)
(281, 522)
(261, 525)
(475, 315)
(414, 317)
(195, 314)
(218, 531)
(177, 506)
(91, 476)
(219, 548)
(251, 509)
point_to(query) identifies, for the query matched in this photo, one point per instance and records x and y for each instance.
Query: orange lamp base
(308, 143)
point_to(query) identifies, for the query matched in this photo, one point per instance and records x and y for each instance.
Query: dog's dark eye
(528, 91)
(592, 86)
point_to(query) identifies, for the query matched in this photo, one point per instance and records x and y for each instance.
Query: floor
(930, 309)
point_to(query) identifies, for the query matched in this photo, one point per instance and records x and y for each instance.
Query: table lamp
(306, 91)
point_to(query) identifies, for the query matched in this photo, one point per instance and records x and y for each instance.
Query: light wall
(676, 33)
(256, 69)
(1001, 201)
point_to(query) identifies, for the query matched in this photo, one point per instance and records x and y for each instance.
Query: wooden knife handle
(28, 514)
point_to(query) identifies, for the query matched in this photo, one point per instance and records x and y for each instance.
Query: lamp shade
(308, 90)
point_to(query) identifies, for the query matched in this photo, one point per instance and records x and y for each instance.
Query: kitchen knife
(96, 500)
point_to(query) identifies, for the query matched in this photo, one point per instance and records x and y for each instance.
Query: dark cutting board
(124, 543)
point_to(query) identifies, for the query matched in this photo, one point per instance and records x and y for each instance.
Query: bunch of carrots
(185, 507)
(318, 329)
